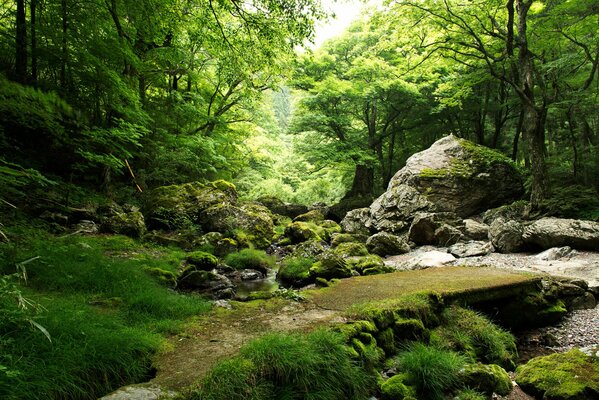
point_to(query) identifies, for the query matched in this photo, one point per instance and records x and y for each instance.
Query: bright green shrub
(250, 259)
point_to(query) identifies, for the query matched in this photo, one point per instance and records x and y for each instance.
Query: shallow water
(268, 284)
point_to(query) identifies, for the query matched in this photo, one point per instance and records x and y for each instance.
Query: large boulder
(436, 228)
(384, 244)
(277, 206)
(555, 232)
(355, 221)
(453, 175)
(178, 206)
(506, 236)
(125, 223)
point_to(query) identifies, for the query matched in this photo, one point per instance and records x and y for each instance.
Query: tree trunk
(32, 12)
(63, 61)
(533, 127)
(363, 184)
(21, 44)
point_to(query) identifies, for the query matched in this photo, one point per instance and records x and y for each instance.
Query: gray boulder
(436, 229)
(130, 224)
(471, 249)
(384, 244)
(556, 232)
(355, 221)
(506, 236)
(476, 230)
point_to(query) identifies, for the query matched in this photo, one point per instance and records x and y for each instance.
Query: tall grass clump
(471, 333)
(289, 366)
(250, 259)
(432, 371)
(295, 270)
(105, 314)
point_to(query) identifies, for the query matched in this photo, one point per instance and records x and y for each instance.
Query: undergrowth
(250, 258)
(105, 314)
(289, 366)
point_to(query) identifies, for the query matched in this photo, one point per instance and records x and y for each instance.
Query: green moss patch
(566, 376)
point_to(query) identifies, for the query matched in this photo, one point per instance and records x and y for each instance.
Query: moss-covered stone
(130, 224)
(395, 388)
(163, 276)
(200, 260)
(362, 263)
(410, 329)
(563, 376)
(488, 379)
(532, 311)
(386, 341)
(338, 238)
(330, 266)
(295, 271)
(313, 216)
(346, 250)
(299, 232)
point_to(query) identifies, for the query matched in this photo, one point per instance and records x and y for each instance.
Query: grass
(250, 259)
(432, 371)
(106, 313)
(473, 334)
(289, 366)
(295, 270)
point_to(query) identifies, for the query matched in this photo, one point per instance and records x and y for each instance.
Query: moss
(351, 249)
(299, 232)
(469, 394)
(488, 379)
(386, 341)
(369, 262)
(261, 295)
(410, 329)
(395, 388)
(572, 376)
(199, 260)
(475, 336)
(295, 271)
(163, 276)
(338, 238)
(250, 259)
(329, 266)
(479, 158)
(370, 354)
(224, 186)
(353, 329)
(313, 216)
(533, 310)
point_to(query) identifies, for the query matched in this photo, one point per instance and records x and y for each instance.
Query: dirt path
(220, 334)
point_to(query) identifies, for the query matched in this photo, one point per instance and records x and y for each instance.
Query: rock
(435, 228)
(355, 221)
(177, 206)
(556, 232)
(200, 260)
(471, 249)
(277, 206)
(338, 238)
(130, 224)
(395, 388)
(345, 250)
(223, 304)
(369, 265)
(427, 259)
(299, 232)
(453, 175)
(562, 376)
(142, 391)
(86, 226)
(55, 217)
(338, 211)
(250, 275)
(476, 230)
(585, 302)
(488, 379)
(183, 239)
(384, 244)
(313, 215)
(554, 253)
(252, 220)
(330, 266)
(308, 249)
(204, 281)
(506, 236)
(517, 211)
(394, 210)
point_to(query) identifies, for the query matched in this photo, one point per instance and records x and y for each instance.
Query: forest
(154, 151)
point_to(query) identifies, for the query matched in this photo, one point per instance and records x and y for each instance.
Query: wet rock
(384, 244)
(428, 259)
(506, 235)
(250, 275)
(475, 230)
(471, 249)
(554, 253)
(555, 232)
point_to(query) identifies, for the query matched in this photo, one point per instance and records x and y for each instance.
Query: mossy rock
(338, 238)
(163, 276)
(308, 249)
(562, 376)
(200, 260)
(328, 228)
(362, 263)
(346, 250)
(410, 329)
(313, 216)
(295, 271)
(353, 329)
(179, 206)
(488, 379)
(395, 388)
(532, 311)
(368, 351)
(129, 224)
(329, 266)
(386, 341)
(299, 232)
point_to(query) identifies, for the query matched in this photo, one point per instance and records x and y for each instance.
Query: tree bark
(64, 50)
(363, 184)
(32, 12)
(21, 44)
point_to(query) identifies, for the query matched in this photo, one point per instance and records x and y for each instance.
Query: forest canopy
(123, 96)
